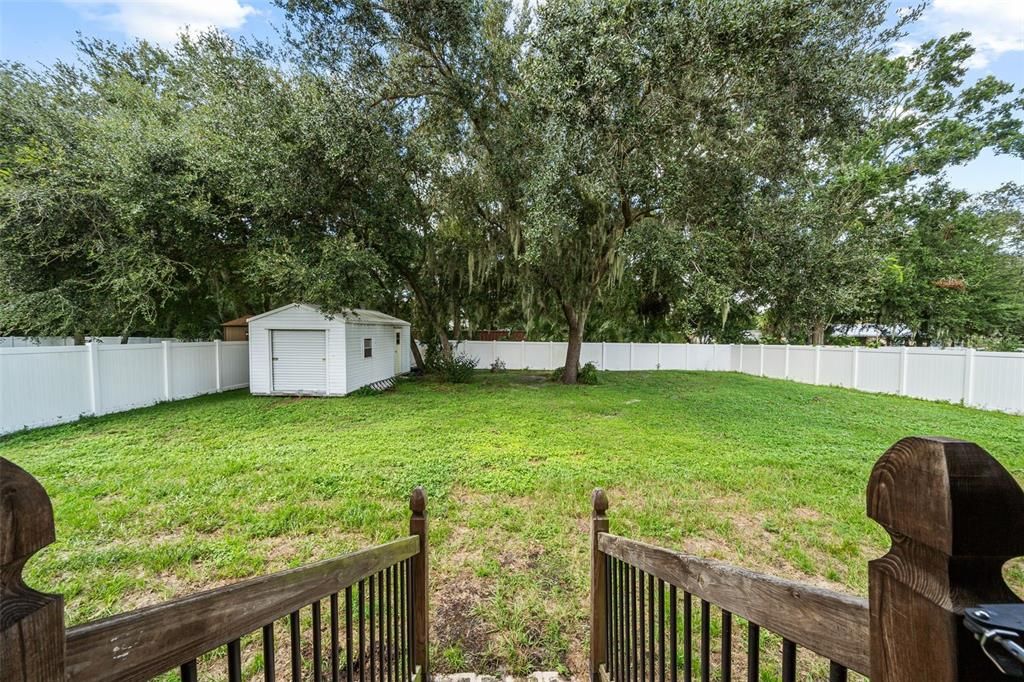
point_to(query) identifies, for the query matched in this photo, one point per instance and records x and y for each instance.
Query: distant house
(871, 332)
(236, 329)
(298, 350)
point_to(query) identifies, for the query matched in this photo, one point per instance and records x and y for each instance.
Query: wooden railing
(954, 516)
(377, 599)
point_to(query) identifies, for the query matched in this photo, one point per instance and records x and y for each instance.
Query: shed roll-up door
(299, 360)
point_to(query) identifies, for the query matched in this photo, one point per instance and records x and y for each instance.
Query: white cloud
(162, 20)
(996, 26)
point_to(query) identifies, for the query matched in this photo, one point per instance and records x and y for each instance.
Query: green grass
(766, 474)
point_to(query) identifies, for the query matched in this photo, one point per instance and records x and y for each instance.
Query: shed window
(367, 348)
(398, 338)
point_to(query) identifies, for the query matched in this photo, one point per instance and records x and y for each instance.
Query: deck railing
(377, 599)
(954, 515)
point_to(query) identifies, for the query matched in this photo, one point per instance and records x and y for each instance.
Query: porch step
(545, 676)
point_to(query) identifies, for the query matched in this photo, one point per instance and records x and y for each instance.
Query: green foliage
(588, 374)
(457, 367)
(498, 366)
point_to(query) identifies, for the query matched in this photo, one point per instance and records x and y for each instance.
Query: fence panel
(195, 369)
(616, 356)
(835, 366)
(43, 386)
(878, 370)
(935, 374)
(130, 376)
(802, 360)
(645, 356)
(234, 365)
(998, 382)
(775, 361)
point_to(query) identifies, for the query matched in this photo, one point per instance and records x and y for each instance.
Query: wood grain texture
(954, 516)
(31, 623)
(419, 527)
(831, 624)
(598, 585)
(146, 642)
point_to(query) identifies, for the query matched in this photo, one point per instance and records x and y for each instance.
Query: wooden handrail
(831, 624)
(146, 642)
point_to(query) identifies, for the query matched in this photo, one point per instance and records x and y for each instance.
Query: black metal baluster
(234, 661)
(410, 631)
(399, 594)
(661, 630)
(620, 649)
(393, 622)
(753, 652)
(269, 673)
(293, 623)
(373, 630)
(673, 632)
(788, 661)
(641, 633)
(385, 638)
(836, 672)
(189, 672)
(634, 667)
(363, 632)
(687, 637)
(726, 646)
(348, 634)
(335, 643)
(650, 626)
(609, 582)
(705, 641)
(318, 654)
(380, 625)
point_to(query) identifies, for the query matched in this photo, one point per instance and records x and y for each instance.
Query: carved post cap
(26, 515)
(418, 500)
(31, 622)
(949, 495)
(599, 501)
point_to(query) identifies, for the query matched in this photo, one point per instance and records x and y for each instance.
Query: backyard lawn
(767, 474)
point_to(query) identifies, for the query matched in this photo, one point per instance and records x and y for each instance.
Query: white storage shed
(298, 350)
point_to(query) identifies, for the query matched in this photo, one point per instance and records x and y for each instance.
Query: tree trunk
(572, 353)
(818, 334)
(446, 345)
(79, 338)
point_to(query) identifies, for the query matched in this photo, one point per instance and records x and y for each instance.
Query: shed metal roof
(351, 315)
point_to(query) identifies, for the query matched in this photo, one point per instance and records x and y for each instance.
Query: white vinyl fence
(990, 381)
(45, 385)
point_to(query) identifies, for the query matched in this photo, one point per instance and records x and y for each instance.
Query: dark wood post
(31, 623)
(598, 585)
(420, 583)
(955, 516)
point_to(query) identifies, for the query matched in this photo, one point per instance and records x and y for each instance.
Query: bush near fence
(41, 385)
(990, 381)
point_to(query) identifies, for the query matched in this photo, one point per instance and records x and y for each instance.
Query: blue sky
(42, 31)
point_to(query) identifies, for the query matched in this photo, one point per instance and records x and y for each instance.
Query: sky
(42, 31)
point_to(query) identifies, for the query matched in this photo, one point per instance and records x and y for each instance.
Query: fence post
(955, 516)
(598, 586)
(630, 356)
(787, 362)
(760, 360)
(604, 365)
(167, 368)
(659, 355)
(968, 391)
(855, 371)
(903, 370)
(817, 365)
(420, 583)
(216, 362)
(94, 377)
(31, 623)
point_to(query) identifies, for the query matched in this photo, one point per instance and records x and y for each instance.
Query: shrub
(498, 365)
(456, 368)
(587, 374)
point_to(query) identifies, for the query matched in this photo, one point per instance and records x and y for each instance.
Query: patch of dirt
(456, 621)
